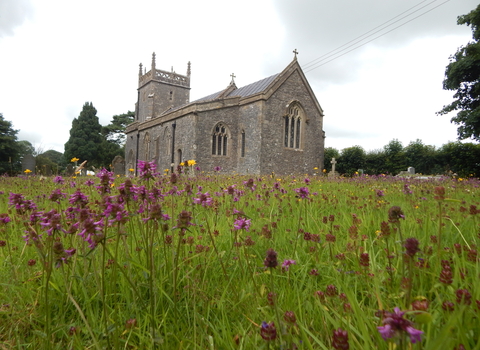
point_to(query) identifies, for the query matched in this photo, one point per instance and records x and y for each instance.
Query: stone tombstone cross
(333, 164)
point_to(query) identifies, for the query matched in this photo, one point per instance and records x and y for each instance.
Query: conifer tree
(86, 141)
(9, 150)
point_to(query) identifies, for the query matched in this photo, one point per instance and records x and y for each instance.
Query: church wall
(277, 158)
(207, 120)
(250, 121)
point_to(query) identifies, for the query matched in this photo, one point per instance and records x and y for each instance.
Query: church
(274, 125)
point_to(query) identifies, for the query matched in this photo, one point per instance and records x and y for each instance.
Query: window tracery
(220, 138)
(293, 127)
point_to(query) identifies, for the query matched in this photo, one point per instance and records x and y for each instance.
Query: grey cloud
(318, 27)
(12, 14)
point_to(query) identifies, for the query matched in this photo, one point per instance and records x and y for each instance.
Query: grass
(181, 262)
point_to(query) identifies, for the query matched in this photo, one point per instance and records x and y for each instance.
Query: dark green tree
(394, 157)
(115, 131)
(330, 153)
(86, 141)
(375, 162)
(422, 157)
(460, 158)
(351, 159)
(463, 75)
(9, 149)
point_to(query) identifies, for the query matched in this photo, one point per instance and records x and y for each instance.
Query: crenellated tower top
(163, 76)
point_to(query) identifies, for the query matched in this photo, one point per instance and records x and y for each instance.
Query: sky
(375, 66)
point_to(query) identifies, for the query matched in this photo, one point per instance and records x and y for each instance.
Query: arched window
(293, 126)
(220, 138)
(242, 150)
(146, 147)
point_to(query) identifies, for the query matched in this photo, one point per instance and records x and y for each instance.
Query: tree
(351, 159)
(375, 162)
(422, 157)
(9, 150)
(463, 75)
(394, 157)
(115, 131)
(330, 153)
(461, 158)
(86, 141)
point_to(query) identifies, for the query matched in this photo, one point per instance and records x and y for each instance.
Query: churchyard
(204, 260)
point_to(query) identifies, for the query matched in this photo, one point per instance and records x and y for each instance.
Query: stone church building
(272, 125)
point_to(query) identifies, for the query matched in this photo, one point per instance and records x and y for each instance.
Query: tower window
(171, 95)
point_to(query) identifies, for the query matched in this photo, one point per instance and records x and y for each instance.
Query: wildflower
(268, 331)
(217, 168)
(302, 192)
(411, 246)
(4, 219)
(191, 162)
(147, 170)
(290, 317)
(395, 325)
(27, 171)
(364, 260)
(204, 199)
(395, 213)
(242, 223)
(463, 296)
(331, 290)
(58, 180)
(286, 264)
(439, 193)
(340, 339)
(271, 259)
(74, 160)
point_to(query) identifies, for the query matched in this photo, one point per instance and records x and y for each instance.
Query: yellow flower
(166, 170)
(315, 168)
(74, 159)
(112, 185)
(131, 170)
(182, 164)
(77, 172)
(191, 162)
(27, 171)
(324, 170)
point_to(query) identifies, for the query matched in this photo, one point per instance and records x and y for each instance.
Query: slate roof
(244, 91)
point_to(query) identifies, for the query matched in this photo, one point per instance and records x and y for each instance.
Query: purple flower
(217, 168)
(242, 223)
(395, 325)
(286, 264)
(271, 259)
(58, 180)
(302, 192)
(268, 331)
(204, 199)
(4, 218)
(147, 170)
(106, 180)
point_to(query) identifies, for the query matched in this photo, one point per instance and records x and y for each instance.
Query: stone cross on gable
(233, 77)
(333, 164)
(295, 52)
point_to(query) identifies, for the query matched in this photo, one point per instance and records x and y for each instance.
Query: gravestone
(411, 170)
(360, 171)
(118, 165)
(29, 162)
(333, 173)
(70, 170)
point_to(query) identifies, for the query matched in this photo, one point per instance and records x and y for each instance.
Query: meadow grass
(196, 261)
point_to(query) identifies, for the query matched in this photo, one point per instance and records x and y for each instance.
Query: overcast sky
(55, 55)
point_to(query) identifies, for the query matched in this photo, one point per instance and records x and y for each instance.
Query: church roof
(244, 91)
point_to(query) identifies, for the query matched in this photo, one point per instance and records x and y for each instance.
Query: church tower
(160, 91)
